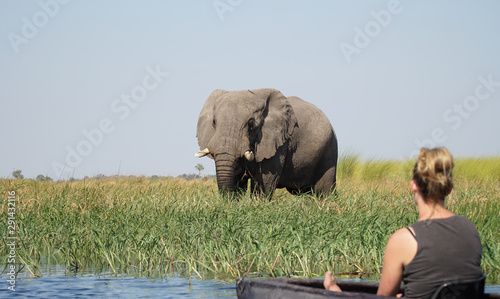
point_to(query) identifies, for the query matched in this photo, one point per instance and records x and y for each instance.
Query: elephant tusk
(249, 156)
(203, 153)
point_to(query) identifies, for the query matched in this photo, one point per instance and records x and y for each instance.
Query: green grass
(145, 227)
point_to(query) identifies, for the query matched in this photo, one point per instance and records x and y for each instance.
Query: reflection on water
(492, 289)
(92, 286)
(57, 284)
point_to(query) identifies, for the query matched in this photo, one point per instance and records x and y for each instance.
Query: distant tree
(42, 178)
(17, 174)
(100, 176)
(154, 177)
(188, 176)
(200, 168)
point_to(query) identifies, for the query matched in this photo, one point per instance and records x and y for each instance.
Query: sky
(116, 87)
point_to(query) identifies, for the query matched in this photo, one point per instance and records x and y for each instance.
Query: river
(57, 284)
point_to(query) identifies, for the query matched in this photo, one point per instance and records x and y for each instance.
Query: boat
(292, 288)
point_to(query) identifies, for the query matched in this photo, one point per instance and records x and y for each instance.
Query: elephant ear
(278, 126)
(205, 130)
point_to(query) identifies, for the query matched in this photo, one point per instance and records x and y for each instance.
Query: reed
(144, 227)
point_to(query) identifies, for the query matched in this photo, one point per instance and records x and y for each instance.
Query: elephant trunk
(228, 146)
(225, 165)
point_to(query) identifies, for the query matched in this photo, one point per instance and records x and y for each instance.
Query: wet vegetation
(151, 227)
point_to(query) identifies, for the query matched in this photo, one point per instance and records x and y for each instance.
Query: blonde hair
(433, 172)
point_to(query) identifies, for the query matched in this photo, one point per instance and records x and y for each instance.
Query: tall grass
(148, 227)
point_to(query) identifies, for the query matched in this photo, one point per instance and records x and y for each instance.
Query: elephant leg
(269, 183)
(269, 178)
(326, 183)
(326, 172)
(270, 172)
(264, 183)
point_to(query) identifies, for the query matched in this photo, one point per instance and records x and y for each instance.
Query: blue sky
(89, 87)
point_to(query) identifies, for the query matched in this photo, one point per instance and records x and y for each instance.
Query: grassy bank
(152, 227)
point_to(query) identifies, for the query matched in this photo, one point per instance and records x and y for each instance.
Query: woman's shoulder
(466, 223)
(457, 221)
(402, 246)
(402, 236)
(460, 220)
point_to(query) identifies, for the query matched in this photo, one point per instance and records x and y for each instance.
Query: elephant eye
(251, 124)
(213, 123)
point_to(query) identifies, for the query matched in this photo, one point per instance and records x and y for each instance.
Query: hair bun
(433, 172)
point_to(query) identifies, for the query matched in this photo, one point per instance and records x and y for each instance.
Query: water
(56, 284)
(95, 287)
(492, 289)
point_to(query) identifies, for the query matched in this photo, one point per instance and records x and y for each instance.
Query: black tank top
(449, 250)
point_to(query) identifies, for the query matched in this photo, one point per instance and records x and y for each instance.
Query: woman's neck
(432, 209)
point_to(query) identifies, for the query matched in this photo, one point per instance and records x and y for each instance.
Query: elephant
(272, 140)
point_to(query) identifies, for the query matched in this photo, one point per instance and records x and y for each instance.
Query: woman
(440, 247)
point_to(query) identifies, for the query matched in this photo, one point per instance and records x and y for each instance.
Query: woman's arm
(400, 250)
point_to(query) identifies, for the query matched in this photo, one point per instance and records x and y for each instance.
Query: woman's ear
(414, 189)
(413, 186)
(278, 126)
(205, 130)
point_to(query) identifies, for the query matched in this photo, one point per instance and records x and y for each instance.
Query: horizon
(200, 175)
(92, 88)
